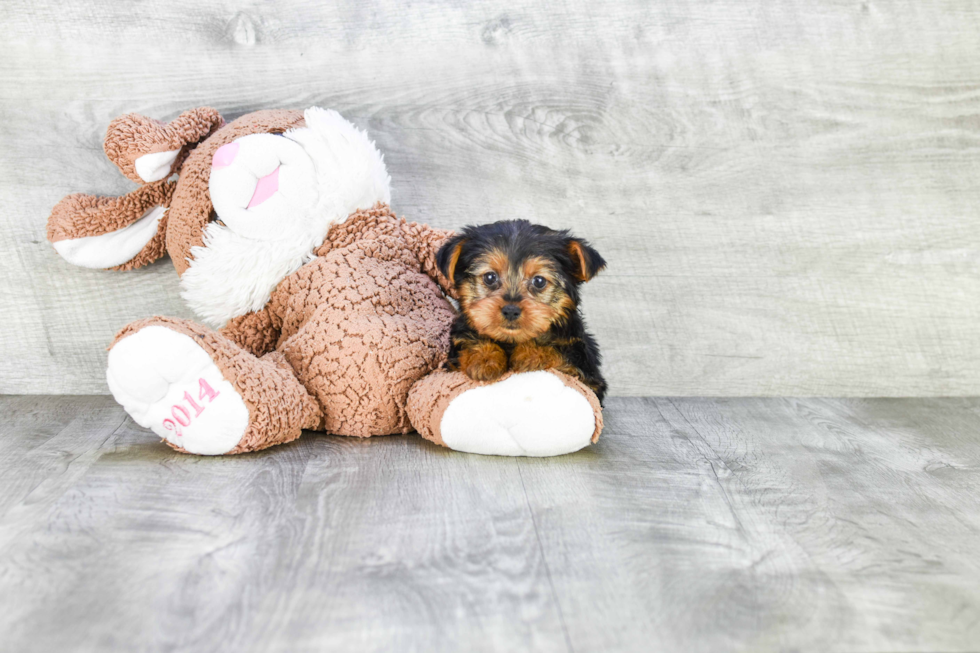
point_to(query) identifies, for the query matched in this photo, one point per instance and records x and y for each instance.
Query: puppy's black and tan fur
(518, 293)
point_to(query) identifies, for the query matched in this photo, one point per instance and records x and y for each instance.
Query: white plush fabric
(289, 212)
(350, 170)
(156, 166)
(232, 275)
(148, 374)
(327, 170)
(114, 248)
(529, 414)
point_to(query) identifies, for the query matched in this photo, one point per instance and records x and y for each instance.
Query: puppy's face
(514, 279)
(512, 299)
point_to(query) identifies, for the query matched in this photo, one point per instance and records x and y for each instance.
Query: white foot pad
(168, 384)
(530, 414)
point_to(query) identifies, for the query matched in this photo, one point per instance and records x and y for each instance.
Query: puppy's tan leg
(530, 356)
(483, 361)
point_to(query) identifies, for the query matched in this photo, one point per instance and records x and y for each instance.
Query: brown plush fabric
(279, 408)
(131, 136)
(80, 216)
(151, 251)
(431, 396)
(425, 241)
(429, 399)
(256, 332)
(361, 323)
(191, 208)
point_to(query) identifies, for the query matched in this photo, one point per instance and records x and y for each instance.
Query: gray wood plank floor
(694, 525)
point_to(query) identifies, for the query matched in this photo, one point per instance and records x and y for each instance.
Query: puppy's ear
(586, 262)
(448, 257)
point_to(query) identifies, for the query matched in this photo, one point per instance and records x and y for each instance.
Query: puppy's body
(567, 347)
(518, 288)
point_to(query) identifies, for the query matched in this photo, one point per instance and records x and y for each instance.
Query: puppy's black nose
(511, 311)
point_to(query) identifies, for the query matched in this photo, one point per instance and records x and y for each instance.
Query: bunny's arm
(425, 242)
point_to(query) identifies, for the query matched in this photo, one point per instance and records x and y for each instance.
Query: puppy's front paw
(484, 361)
(531, 357)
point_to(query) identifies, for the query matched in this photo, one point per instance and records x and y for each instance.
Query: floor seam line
(714, 472)
(544, 559)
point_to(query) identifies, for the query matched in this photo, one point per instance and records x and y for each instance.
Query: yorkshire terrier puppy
(518, 292)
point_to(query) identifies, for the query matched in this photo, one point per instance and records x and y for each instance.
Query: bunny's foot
(544, 413)
(202, 393)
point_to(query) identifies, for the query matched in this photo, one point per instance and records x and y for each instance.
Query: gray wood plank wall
(787, 192)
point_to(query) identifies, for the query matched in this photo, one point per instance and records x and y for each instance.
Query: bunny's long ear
(121, 233)
(147, 150)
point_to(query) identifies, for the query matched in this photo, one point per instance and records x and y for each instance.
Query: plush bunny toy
(331, 313)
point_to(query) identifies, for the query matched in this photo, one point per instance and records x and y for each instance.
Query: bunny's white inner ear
(156, 166)
(114, 248)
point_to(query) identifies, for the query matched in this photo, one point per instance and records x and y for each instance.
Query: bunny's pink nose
(225, 155)
(265, 189)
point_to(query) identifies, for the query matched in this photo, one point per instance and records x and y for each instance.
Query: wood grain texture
(787, 192)
(693, 525)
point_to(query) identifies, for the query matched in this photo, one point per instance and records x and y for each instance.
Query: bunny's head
(252, 200)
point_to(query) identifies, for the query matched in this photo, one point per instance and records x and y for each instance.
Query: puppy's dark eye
(539, 282)
(490, 278)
